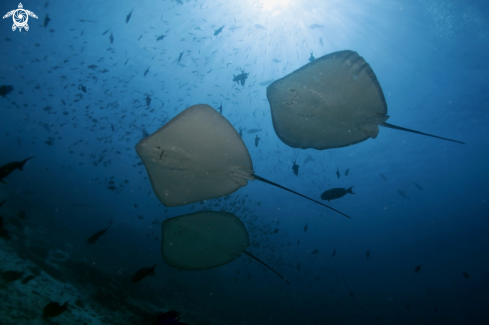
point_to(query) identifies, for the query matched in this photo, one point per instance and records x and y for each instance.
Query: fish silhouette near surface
(401, 193)
(148, 100)
(381, 175)
(169, 318)
(311, 58)
(336, 193)
(128, 17)
(5, 89)
(466, 275)
(142, 273)
(251, 131)
(417, 269)
(111, 38)
(6, 169)
(337, 173)
(347, 172)
(305, 228)
(180, 57)
(96, 236)
(256, 141)
(418, 186)
(240, 132)
(218, 31)
(368, 254)
(241, 78)
(334, 253)
(54, 309)
(295, 168)
(220, 108)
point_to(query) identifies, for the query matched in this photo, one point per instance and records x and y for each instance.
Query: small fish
(54, 309)
(337, 173)
(401, 193)
(148, 100)
(180, 57)
(298, 241)
(314, 251)
(111, 38)
(4, 90)
(251, 131)
(142, 273)
(334, 253)
(105, 32)
(258, 26)
(295, 168)
(241, 78)
(240, 133)
(347, 172)
(6, 169)
(383, 177)
(305, 228)
(276, 61)
(368, 254)
(418, 267)
(466, 275)
(220, 109)
(46, 21)
(28, 278)
(169, 318)
(311, 58)
(146, 72)
(128, 17)
(11, 276)
(336, 193)
(256, 141)
(96, 236)
(315, 26)
(418, 186)
(218, 31)
(161, 37)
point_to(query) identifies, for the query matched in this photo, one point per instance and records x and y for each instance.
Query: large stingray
(198, 155)
(335, 101)
(204, 240)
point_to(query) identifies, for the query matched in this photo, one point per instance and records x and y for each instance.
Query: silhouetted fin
(395, 127)
(257, 259)
(284, 188)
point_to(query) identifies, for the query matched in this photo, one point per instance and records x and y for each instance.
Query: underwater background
(80, 81)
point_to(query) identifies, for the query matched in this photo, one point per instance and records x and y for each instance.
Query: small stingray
(198, 155)
(332, 102)
(204, 240)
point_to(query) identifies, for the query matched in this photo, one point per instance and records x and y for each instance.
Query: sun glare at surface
(273, 5)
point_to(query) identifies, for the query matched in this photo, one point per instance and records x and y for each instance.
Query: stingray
(204, 240)
(198, 155)
(335, 101)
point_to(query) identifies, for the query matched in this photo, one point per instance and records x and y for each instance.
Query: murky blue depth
(91, 79)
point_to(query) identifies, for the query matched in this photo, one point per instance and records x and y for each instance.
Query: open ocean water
(90, 79)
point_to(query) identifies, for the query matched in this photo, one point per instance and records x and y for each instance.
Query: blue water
(430, 58)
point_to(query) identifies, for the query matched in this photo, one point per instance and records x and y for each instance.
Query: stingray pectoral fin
(395, 127)
(258, 260)
(306, 197)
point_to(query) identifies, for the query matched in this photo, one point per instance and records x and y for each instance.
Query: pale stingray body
(198, 155)
(335, 101)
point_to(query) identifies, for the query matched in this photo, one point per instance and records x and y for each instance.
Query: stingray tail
(306, 197)
(257, 259)
(395, 127)
(349, 190)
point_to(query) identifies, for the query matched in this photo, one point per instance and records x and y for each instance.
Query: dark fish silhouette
(256, 141)
(148, 100)
(46, 21)
(128, 17)
(6, 169)
(418, 186)
(4, 90)
(161, 37)
(142, 273)
(334, 253)
(218, 31)
(111, 38)
(169, 318)
(347, 172)
(220, 109)
(106, 31)
(240, 133)
(401, 193)
(180, 57)
(418, 267)
(337, 173)
(383, 177)
(54, 309)
(11, 276)
(368, 254)
(295, 168)
(146, 72)
(336, 193)
(466, 275)
(28, 278)
(315, 26)
(253, 130)
(96, 236)
(311, 58)
(305, 228)
(241, 78)
(314, 251)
